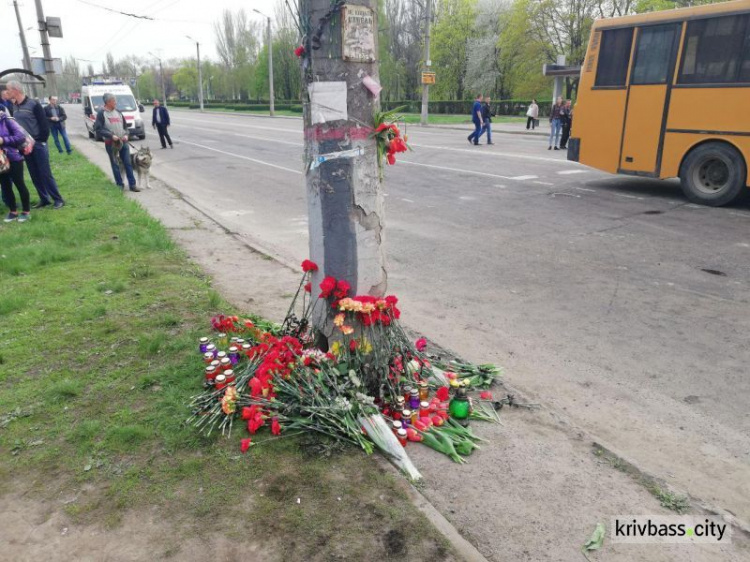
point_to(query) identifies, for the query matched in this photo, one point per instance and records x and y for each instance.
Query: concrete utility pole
(24, 47)
(200, 72)
(161, 74)
(427, 62)
(269, 43)
(49, 69)
(344, 191)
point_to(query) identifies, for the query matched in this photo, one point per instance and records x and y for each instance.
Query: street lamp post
(161, 72)
(270, 61)
(200, 72)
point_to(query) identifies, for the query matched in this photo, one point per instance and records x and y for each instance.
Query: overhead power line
(116, 11)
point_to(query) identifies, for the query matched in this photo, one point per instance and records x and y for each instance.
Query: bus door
(649, 90)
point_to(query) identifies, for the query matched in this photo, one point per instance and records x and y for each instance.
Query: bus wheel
(713, 174)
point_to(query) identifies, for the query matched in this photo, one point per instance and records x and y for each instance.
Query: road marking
(565, 172)
(566, 194)
(407, 200)
(628, 196)
(735, 214)
(694, 206)
(544, 183)
(460, 171)
(267, 139)
(523, 178)
(242, 157)
(585, 189)
(501, 154)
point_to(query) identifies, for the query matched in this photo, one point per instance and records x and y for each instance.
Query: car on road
(92, 96)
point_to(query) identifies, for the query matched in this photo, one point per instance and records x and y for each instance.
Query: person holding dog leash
(111, 126)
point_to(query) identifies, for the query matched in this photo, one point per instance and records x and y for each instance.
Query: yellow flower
(336, 348)
(339, 320)
(365, 346)
(348, 330)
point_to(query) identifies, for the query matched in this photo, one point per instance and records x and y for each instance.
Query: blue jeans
(58, 129)
(41, 174)
(125, 157)
(477, 132)
(555, 132)
(486, 129)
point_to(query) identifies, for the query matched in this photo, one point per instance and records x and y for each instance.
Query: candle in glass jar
(424, 409)
(203, 344)
(406, 418)
(225, 364)
(396, 425)
(222, 339)
(398, 411)
(221, 355)
(234, 355)
(220, 381)
(414, 416)
(424, 390)
(414, 399)
(407, 393)
(230, 376)
(401, 436)
(208, 357)
(210, 373)
(212, 348)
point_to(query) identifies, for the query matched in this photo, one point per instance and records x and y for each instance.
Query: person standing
(476, 118)
(160, 121)
(12, 137)
(487, 119)
(56, 116)
(566, 118)
(111, 126)
(5, 102)
(555, 123)
(32, 118)
(532, 114)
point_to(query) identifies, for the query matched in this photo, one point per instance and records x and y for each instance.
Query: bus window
(653, 54)
(714, 50)
(614, 56)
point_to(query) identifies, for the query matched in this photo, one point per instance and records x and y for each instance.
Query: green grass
(99, 317)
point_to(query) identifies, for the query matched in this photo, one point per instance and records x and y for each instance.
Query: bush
(463, 107)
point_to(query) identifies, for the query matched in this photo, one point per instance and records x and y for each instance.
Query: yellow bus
(667, 94)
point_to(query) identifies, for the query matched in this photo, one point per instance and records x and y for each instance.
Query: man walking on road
(487, 119)
(476, 117)
(32, 118)
(112, 127)
(56, 116)
(160, 121)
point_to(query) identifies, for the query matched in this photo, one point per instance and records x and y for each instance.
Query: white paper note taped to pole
(327, 101)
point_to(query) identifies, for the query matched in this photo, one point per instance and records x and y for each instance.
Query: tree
(237, 45)
(186, 79)
(454, 27)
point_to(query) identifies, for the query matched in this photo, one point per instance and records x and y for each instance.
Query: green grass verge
(99, 318)
(411, 118)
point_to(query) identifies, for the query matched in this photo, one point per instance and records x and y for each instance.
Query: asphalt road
(613, 299)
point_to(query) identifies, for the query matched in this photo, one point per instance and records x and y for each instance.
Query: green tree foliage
(454, 26)
(185, 79)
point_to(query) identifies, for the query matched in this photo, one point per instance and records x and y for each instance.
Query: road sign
(53, 66)
(428, 78)
(54, 27)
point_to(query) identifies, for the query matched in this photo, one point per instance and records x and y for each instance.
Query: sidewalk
(535, 492)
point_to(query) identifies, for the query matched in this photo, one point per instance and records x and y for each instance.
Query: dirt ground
(535, 492)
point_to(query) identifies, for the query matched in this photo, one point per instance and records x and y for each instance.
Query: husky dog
(141, 161)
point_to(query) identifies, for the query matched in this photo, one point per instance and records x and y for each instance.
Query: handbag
(4, 162)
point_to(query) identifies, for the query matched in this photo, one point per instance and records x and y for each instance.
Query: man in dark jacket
(111, 126)
(160, 121)
(56, 116)
(487, 118)
(5, 102)
(30, 115)
(476, 118)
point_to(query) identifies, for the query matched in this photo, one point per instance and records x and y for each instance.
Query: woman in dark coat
(12, 138)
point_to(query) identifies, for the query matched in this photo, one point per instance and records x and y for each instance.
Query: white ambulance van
(92, 100)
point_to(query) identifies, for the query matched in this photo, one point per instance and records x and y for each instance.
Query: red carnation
(486, 395)
(308, 287)
(342, 289)
(390, 158)
(421, 344)
(245, 444)
(442, 393)
(308, 265)
(275, 427)
(327, 287)
(299, 51)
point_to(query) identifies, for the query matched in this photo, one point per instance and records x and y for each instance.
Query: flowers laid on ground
(371, 387)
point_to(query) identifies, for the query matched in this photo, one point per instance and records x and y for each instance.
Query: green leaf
(596, 540)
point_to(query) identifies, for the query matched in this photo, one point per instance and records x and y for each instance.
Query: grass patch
(99, 318)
